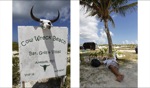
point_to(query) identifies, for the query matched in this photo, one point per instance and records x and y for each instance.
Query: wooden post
(23, 84)
(61, 84)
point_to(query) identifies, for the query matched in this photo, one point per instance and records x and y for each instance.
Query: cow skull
(45, 24)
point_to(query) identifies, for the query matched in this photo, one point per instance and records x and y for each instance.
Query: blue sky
(125, 31)
(42, 9)
(91, 29)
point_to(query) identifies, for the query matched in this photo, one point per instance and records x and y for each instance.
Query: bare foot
(120, 78)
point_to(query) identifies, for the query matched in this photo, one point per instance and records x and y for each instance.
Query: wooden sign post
(23, 84)
(42, 53)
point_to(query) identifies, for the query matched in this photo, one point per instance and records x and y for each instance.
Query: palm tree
(103, 9)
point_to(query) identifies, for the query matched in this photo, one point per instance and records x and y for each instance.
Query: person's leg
(115, 71)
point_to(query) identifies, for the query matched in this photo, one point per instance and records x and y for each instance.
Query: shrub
(119, 53)
(68, 70)
(81, 58)
(16, 74)
(105, 50)
(68, 49)
(101, 52)
(15, 46)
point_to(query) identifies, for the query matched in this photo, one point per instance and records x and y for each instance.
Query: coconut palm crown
(103, 9)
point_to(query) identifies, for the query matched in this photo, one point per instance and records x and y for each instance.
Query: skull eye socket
(49, 23)
(42, 22)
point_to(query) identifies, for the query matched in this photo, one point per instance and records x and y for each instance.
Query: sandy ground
(101, 77)
(126, 50)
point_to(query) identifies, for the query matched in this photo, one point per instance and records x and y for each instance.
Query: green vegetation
(67, 82)
(128, 58)
(100, 53)
(68, 47)
(15, 46)
(16, 73)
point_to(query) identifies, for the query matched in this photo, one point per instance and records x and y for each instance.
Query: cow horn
(33, 17)
(55, 18)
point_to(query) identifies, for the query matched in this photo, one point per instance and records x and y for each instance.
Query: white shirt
(107, 62)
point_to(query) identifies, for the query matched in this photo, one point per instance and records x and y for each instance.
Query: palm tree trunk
(108, 37)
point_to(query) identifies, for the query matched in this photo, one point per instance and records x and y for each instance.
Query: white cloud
(126, 41)
(65, 13)
(114, 16)
(129, 42)
(123, 42)
(89, 31)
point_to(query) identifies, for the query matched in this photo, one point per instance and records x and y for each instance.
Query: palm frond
(127, 8)
(112, 21)
(92, 13)
(103, 8)
(87, 4)
(123, 10)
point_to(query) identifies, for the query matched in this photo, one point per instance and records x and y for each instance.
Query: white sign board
(42, 52)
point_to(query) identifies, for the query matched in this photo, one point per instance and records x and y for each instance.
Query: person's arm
(104, 62)
(115, 56)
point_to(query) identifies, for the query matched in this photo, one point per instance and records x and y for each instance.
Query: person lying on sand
(113, 65)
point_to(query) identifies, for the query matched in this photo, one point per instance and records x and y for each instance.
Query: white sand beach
(102, 77)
